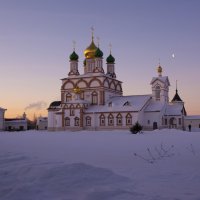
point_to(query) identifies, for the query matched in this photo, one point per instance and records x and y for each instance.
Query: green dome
(110, 59)
(73, 56)
(98, 53)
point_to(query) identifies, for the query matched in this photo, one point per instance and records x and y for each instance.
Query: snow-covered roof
(160, 78)
(192, 117)
(174, 109)
(78, 101)
(132, 103)
(89, 75)
(154, 106)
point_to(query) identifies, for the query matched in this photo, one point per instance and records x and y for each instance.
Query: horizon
(37, 39)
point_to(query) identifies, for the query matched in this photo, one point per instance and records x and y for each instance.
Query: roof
(192, 117)
(132, 103)
(176, 97)
(174, 109)
(54, 104)
(88, 75)
(160, 78)
(154, 106)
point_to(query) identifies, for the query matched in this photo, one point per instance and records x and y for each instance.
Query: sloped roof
(160, 78)
(192, 117)
(174, 109)
(176, 97)
(132, 103)
(54, 104)
(154, 106)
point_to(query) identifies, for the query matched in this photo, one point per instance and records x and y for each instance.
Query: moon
(173, 55)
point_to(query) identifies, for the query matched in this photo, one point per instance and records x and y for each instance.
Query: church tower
(160, 87)
(177, 98)
(73, 64)
(111, 66)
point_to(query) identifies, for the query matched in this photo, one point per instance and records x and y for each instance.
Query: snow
(101, 165)
(136, 102)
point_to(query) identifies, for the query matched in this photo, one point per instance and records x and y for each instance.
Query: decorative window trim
(68, 97)
(67, 121)
(128, 119)
(119, 119)
(94, 98)
(76, 121)
(102, 120)
(88, 121)
(110, 120)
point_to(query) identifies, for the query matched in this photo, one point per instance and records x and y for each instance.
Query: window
(179, 121)
(102, 120)
(165, 121)
(157, 93)
(127, 103)
(71, 110)
(67, 121)
(94, 98)
(148, 122)
(68, 97)
(110, 104)
(88, 121)
(128, 119)
(82, 95)
(110, 120)
(76, 121)
(119, 119)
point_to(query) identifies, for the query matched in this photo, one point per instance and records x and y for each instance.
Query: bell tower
(160, 87)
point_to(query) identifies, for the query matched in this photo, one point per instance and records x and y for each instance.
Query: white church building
(94, 100)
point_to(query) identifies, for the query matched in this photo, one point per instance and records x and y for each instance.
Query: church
(94, 100)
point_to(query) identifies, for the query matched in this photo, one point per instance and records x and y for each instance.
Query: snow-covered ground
(103, 165)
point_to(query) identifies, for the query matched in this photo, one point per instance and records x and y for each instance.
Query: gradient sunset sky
(36, 41)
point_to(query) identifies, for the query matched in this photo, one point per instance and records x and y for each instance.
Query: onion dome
(110, 59)
(91, 50)
(73, 56)
(98, 53)
(159, 69)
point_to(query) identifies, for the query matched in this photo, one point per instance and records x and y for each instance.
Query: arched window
(68, 97)
(102, 120)
(128, 119)
(110, 120)
(88, 121)
(76, 121)
(94, 98)
(119, 119)
(71, 110)
(67, 121)
(157, 93)
(110, 104)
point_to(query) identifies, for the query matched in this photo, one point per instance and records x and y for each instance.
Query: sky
(36, 39)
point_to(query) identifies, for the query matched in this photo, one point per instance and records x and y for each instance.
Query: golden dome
(91, 50)
(159, 69)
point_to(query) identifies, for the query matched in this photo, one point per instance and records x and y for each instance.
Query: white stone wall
(195, 124)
